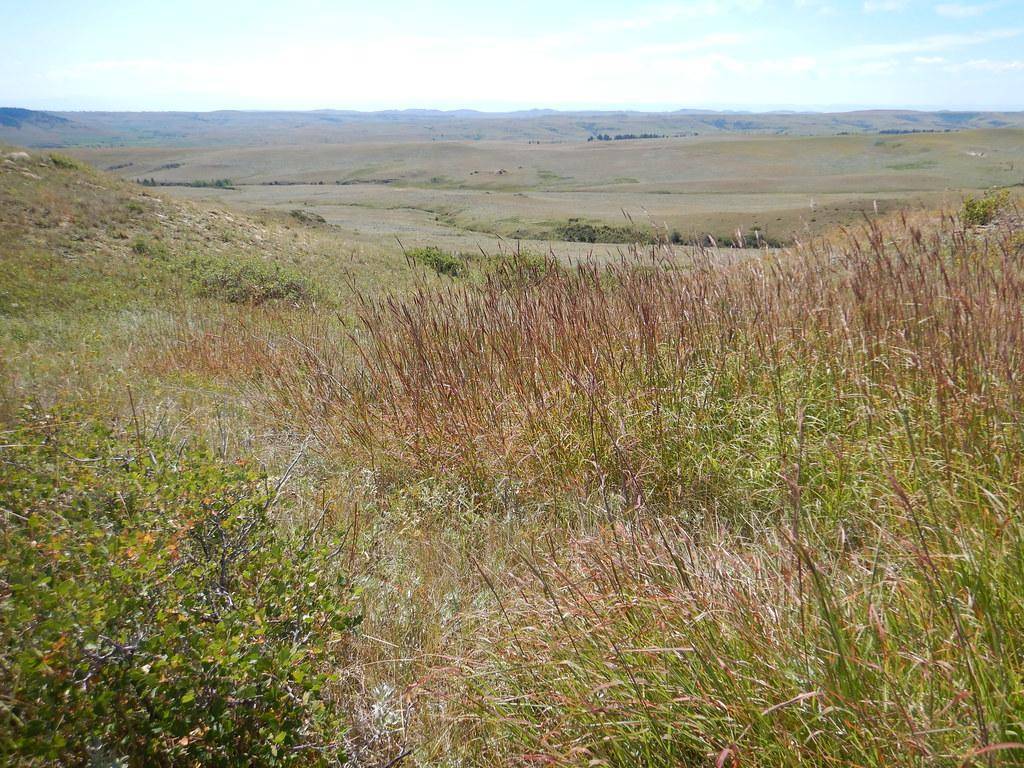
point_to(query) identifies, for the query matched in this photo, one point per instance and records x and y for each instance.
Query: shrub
(215, 183)
(66, 163)
(522, 270)
(978, 211)
(439, 261)
(307, 217)
(247, 281)
(152, 612)
(576, 231)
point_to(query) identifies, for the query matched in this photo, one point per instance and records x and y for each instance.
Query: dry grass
(716, 511)
(781, 496)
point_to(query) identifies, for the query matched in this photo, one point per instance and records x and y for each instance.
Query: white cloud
(930, 44)
(708, 42)
(884, 6)
(533, 71)
(661, 60)
(821, 7)
(794, 65)
(669, 12)
(989, 65)
(873, 68)
(962, 10)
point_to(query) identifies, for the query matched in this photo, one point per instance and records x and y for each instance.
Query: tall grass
(788, 494)
(603, 378)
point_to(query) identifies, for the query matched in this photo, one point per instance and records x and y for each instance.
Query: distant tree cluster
(625, 136)
(902, 131)
(218, 183)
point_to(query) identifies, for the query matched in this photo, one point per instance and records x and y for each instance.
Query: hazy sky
(309, 54)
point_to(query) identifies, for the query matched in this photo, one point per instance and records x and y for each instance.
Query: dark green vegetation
(307, 217)
(66, 163)
(626, 137)
(576, 231)
(687, 507)
(246, 281)
(434, 258)
(153, 612)
(197, 183)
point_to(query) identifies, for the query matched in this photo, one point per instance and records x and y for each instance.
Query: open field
(268, 491)
(464, 195)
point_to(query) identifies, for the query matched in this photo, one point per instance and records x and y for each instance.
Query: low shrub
(66, 163)
(153, 613)
(441, 262)
(247, 280)
(576, 231)
(215, 183)
(978, 211)
(522, 270)
(307, 217)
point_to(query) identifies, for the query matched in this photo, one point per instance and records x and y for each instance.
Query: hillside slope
(93, 264)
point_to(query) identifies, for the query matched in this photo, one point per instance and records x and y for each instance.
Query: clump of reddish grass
(813, 462)
(835, 437)
(601, 377)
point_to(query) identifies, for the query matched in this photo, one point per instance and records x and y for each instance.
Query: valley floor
(466, 195)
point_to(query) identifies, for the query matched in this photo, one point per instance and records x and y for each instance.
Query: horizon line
(634, 109)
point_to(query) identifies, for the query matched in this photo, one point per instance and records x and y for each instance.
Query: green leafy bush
(151, 613)
(215, 183)
(576, 231)
(66, 163)
(247, 280)
(437, 260)
(979, 211)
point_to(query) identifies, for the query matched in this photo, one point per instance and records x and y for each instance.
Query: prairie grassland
(694, 508)
(467, 194)
(761, 513)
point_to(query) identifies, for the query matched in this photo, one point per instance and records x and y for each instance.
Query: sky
(560, 54)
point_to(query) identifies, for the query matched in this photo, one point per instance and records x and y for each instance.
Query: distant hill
(238, 128)
(13, 117)
(32, 128)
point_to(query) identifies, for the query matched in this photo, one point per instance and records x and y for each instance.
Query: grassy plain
(697, 508)
(464, 195)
